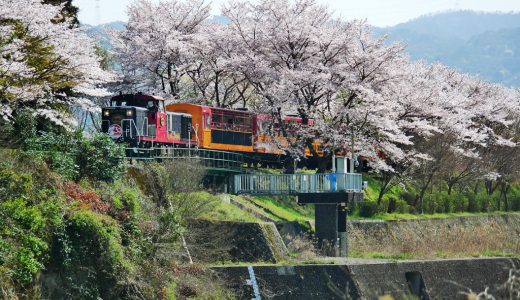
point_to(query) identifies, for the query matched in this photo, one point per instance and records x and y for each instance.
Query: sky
(378, 12)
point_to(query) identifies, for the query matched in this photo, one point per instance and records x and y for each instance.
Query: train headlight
(106, 113)
(129, 112)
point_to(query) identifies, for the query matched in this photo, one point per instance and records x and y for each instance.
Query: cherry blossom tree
(45, 66)
(155, 48)
(214, 79)
(301, 60)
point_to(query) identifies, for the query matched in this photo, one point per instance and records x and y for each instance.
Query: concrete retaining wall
(217, 241)
(430, 238)
(441, 279)
(394, 226)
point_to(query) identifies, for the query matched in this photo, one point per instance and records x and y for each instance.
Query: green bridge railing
(291, 184)
(211, 159)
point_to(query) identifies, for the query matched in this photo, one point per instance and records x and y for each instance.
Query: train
(145, 121)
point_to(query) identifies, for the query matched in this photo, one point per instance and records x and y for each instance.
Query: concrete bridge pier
(330, 217)
(331, 228)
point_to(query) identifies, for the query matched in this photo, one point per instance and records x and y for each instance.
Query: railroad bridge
(329, 192)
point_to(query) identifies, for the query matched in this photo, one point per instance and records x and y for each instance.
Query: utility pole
(98, 12)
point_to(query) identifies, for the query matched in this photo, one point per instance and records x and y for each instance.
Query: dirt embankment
(428, 238)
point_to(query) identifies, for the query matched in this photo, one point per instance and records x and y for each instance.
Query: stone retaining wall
(437, 279)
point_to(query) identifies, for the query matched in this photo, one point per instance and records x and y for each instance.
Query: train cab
(143, 121)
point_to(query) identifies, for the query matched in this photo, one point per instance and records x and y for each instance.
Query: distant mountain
(459, 24)
(100, 32)
(485, 44)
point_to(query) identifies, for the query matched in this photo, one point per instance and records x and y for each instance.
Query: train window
(118, 103)
(260, 126)
(216, 119)
(208, 120)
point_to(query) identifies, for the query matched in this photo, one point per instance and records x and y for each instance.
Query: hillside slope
(484, 44)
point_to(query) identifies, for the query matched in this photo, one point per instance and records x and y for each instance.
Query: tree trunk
(385, 182)
(450, 186)
(423, 190)
(475, 189)
(504, 188)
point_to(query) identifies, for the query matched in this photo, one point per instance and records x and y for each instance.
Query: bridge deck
(292, 184)
(212, 159)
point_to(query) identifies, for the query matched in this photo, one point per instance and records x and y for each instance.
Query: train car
(142, 121)
(219, 128)
(240, 130)
(273, 141)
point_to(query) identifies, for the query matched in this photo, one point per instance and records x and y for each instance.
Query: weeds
(434, 238)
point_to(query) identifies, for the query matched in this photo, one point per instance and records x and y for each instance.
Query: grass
(407, 216)
(229, 212)
(381, 255)
(283, 208)
(372, 192)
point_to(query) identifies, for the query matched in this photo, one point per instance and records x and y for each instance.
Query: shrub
(88, 260)
(174, 185)
(86, 199)
(57, 151)
(485, 202)
(402, 207)
(473, 205)
(367, 209)
(124, 200)
(433, 203)
(408, 197)
(515, 203)
(100, 158)
(392, 205)
(460, 202)
(74, 156)
(28, 217)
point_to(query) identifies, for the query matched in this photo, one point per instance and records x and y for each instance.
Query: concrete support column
(326, 223)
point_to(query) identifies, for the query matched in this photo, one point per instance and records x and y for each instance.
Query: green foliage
(284, 208)
(28, 217)
(367, 209)
(100, 158)
(408, 197)
(107, 63)
(229, 212)
(57, 150)
(125, 202)
(87, 258)
(74, 156)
